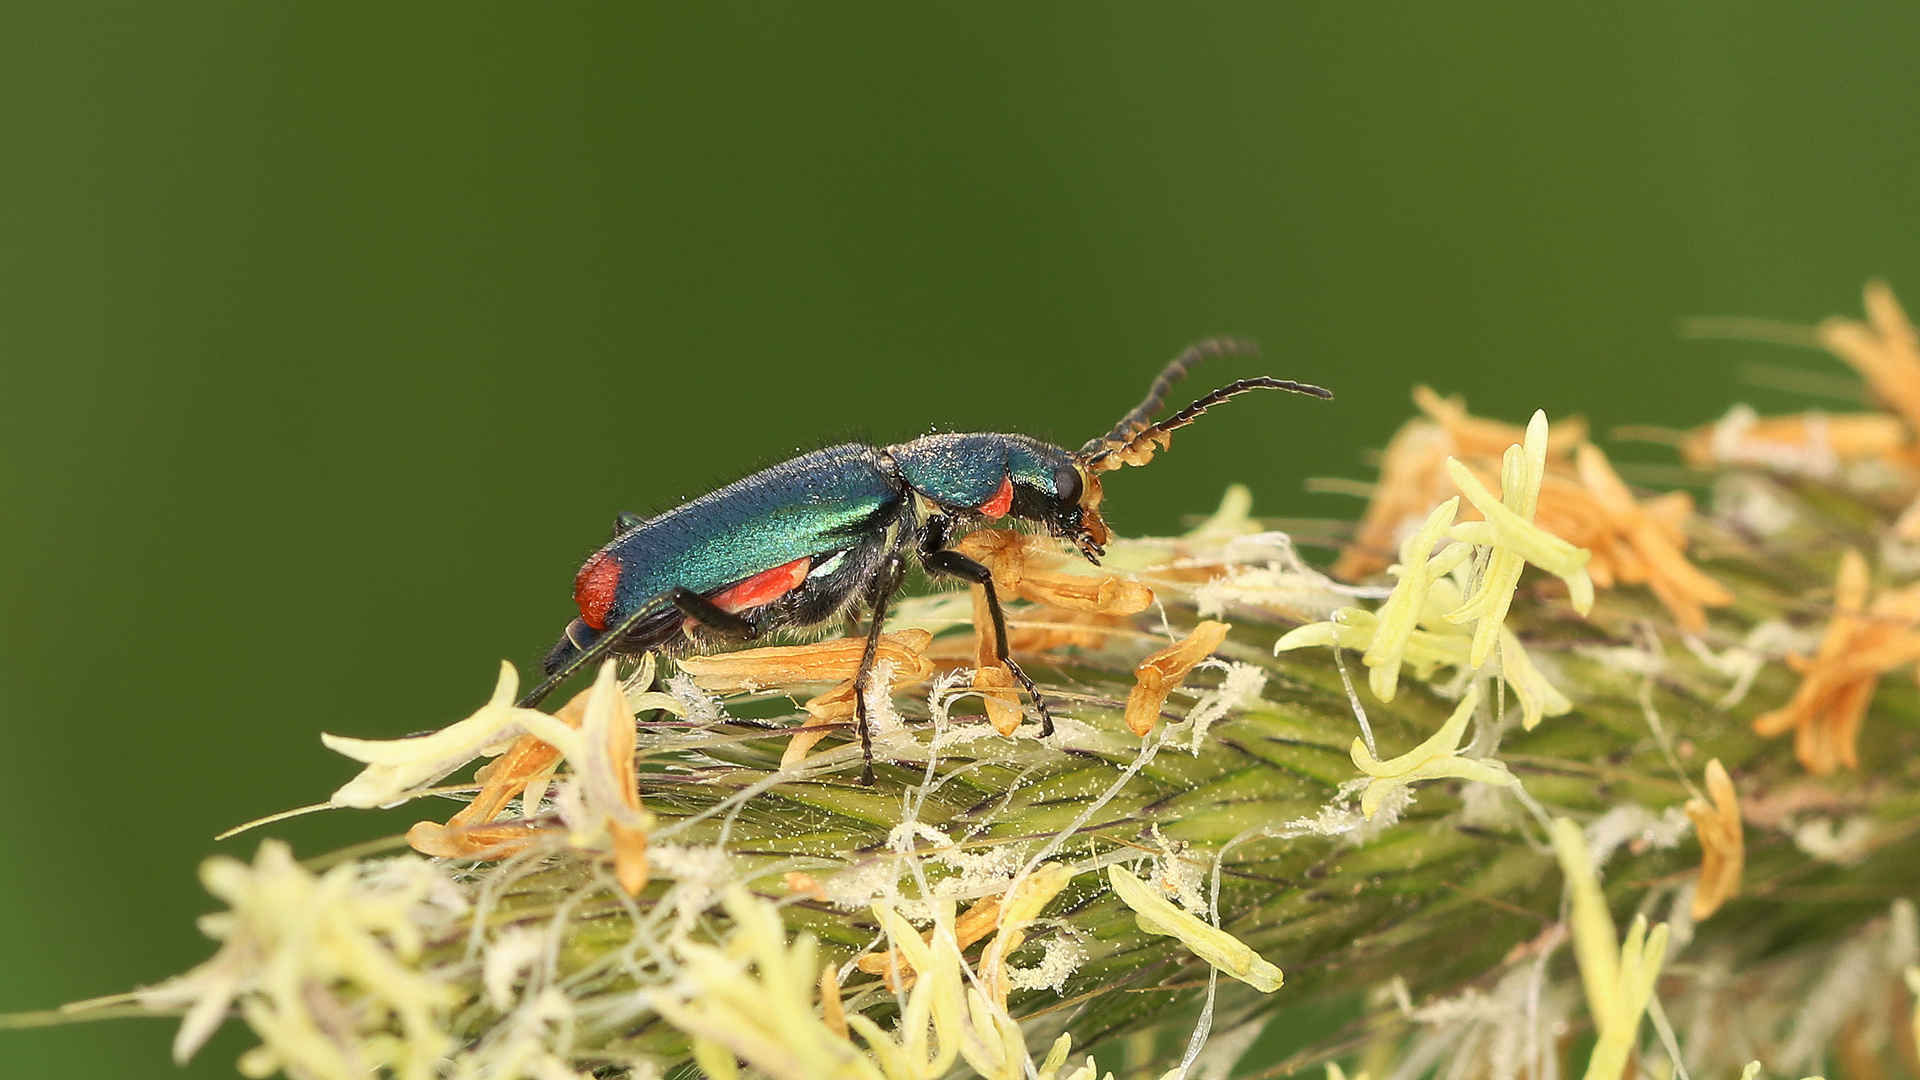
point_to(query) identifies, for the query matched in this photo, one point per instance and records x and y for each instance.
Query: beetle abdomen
(755, 535)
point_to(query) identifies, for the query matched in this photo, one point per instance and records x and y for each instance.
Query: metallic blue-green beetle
(832, 532)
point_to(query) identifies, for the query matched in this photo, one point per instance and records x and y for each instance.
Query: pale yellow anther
(326, 968)
(1021, 906)
(1513, 539)
(1426, 650)
(1437, 758)
(1913, 987)
(1350, 628)
(752, 998)
(399, 769)
(1618, 976)
(1354, 628)
(1155, 914)
(1399, 615)
(1056, 1058)
(1538, 697)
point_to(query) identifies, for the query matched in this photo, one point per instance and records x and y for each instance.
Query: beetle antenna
(1176, 369)
(1133, 441)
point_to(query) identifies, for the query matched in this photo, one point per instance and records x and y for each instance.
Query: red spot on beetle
(1002, 500)
(594, 589)
(764, 587)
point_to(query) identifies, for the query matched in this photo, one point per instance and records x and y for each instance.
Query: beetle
(833, 532)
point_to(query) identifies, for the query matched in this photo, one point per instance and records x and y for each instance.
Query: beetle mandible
(832, 532)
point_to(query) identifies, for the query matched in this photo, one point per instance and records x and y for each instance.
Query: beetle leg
(886, 582)
(710, 615)
(606, 644)
(957, 565)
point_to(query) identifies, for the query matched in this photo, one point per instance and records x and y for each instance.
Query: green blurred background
(331, 339)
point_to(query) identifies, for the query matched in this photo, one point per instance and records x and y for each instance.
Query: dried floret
(600, 799)
(1862, 642)
(1656, 541)
(1883, 349)
(523, 770)
(1032, 568)
(781, 666)
(1478, 437)
(1161, 673)
(1412, 481)
(902, 654)
(1813, 444)
(1723, 852)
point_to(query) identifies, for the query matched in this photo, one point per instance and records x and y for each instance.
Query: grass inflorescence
(1509, 784)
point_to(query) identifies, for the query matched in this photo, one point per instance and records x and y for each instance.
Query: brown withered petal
(1161, 673)
(1027, 566)
(1475, 436)
(1861, 643)
(1678, 585)
(1412, 472)
(825, 661)
(1882, 349)
(1848, 436)
(973, 924)
(471, 831)
(1723, 852)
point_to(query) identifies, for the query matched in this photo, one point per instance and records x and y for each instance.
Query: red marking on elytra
(764, 587)
(594, 589)
(1002, 500)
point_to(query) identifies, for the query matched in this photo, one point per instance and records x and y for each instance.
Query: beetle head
(1053, 488)
(986, 476)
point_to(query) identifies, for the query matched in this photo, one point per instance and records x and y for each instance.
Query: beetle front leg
(957, 565)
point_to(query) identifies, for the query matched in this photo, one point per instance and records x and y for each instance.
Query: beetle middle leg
(954, 564)
(886, 582)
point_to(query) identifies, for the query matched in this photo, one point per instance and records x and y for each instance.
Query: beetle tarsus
(1039, 705)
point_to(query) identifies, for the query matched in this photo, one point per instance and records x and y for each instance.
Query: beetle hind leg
(954, 564)
(710, 615)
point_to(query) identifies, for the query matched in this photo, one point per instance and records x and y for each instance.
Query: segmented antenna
(1175, 370)
(1133, 441)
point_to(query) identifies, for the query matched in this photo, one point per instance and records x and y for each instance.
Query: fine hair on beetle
(830, 534)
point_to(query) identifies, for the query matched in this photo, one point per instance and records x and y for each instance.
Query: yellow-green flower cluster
(1449, 607)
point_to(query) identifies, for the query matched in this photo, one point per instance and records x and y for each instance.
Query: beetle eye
(1066, 484)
